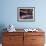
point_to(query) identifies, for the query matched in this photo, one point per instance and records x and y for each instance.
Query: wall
(8, 13)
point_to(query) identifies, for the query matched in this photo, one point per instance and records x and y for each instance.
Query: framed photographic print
(26, 14)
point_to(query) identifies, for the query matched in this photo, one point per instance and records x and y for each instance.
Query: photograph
(26, 14)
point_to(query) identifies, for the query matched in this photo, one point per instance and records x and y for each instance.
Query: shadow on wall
(2, 26)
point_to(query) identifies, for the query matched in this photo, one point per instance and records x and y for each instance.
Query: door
(37, 40)
(13, 40)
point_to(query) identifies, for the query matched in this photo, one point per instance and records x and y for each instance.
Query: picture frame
(26, 14)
